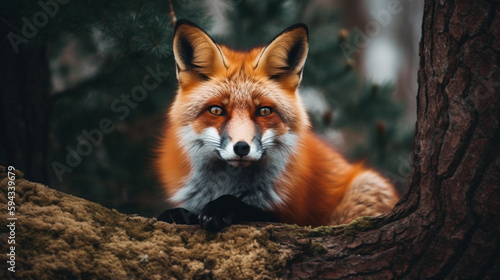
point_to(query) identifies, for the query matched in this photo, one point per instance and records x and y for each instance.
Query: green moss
(357, 225)
(294, 226)
(184, 238)
(312, 247)
(102, 215)
(62, 236)
(322, 231)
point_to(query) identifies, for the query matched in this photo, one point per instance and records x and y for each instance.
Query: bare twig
(173, 18)
(18, 30)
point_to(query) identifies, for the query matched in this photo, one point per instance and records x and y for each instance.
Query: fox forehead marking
(241, 127)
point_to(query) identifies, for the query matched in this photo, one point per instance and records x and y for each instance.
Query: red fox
(238, 144)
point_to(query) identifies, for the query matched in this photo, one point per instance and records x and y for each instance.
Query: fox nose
(241, 148)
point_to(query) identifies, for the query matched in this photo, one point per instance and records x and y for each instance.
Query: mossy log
(59, 236)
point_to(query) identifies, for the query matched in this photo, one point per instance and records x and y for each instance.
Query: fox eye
(264, 111)
(216, 111)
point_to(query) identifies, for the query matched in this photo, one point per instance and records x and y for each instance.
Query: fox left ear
(285, 56)
(197, 56)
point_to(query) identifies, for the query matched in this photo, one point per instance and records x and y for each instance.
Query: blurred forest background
(85, 85)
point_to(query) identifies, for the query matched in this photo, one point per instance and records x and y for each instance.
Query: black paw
(178, 216)
(219, 213)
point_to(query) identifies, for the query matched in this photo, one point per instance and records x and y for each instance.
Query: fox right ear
(197, 56)
(284, 58)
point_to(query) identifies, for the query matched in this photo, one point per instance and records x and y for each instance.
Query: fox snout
(240, 142)
(241, 148)
(240, 152)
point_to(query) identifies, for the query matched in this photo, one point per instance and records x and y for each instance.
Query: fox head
(239, 107)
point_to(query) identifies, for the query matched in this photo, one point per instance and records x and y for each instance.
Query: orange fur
(317, 186)
(326, 176)
(172, 164)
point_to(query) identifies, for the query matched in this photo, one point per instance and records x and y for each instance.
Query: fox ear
(197, 56)
(285, 56)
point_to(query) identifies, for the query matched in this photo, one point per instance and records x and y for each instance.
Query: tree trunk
(24, 103)
(447, 225)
